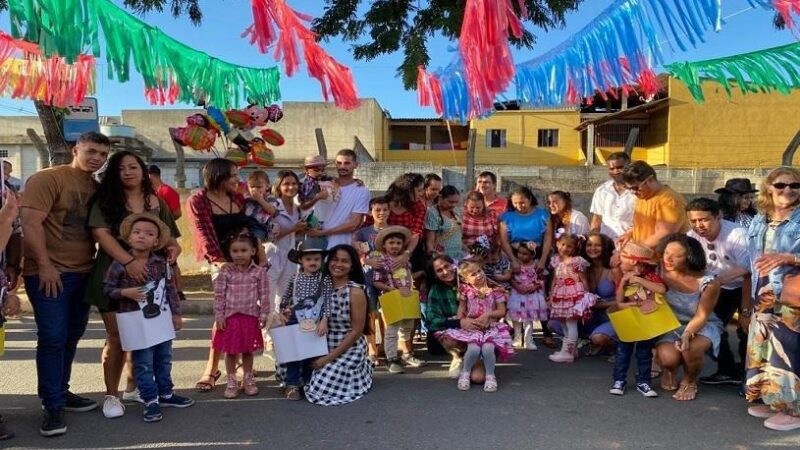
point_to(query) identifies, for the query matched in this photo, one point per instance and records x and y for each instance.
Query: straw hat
(315, 161)
(310, 245)
(396, 229)
(164, 234)
(639, 253)
(737, 186)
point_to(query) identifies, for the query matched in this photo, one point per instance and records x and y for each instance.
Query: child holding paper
(391, 242)
(241, 308)
(641, 287)
(306, 302)
(153, 303)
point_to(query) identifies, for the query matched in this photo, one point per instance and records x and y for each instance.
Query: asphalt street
(540, 405)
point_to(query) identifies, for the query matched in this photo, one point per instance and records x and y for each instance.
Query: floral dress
(570, 300)
(773, 345)
(479, 303)
(348, 377)
(526, 307)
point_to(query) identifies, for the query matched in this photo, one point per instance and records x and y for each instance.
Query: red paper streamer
(429, 90)
(335, 79)
(483, 44)
(788, 9)
(26, 74)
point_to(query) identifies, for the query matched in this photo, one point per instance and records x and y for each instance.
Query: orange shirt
(665, 206)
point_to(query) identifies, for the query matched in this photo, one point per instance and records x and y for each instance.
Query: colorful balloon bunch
(237, 129)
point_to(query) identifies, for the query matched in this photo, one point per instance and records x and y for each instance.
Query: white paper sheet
(291, 344)
(138, 333)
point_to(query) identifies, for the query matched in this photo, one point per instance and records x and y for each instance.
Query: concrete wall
(522, 138)
(744, 131)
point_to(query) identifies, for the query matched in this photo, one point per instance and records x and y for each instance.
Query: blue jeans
(298, 372)
(60, 322)
(153, 368)
(644, 358)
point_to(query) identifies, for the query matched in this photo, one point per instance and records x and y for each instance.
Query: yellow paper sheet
(633, 326)
(395, 307)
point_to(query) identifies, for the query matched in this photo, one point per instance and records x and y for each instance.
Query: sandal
(207, 386)
(549, 342)
(668, 381)
(292, 393)
(686, 392)
(249, 383)
(490, 385)
(464, 382)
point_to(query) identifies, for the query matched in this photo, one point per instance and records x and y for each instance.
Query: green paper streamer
(772, 69)
(70, 27)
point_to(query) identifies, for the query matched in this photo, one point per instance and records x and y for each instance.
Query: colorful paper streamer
(772, 69)
(788, 9)
(26, 74)
(172, 71)
(618, 48)
(335, 78)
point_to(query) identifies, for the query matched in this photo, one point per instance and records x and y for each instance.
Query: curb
(191, 307)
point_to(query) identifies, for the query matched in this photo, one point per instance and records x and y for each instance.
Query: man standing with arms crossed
(58, 258)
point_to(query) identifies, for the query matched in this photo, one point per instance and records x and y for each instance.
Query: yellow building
(743, 131)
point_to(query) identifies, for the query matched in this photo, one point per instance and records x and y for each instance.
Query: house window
(3, 153)
(548, 138)
(496, 138)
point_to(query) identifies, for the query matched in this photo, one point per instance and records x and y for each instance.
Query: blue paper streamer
(590, 58)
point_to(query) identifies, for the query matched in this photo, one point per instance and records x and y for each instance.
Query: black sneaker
(175, 401)
(721, 378)
(152, 412)
(76, 403)
(53, 423)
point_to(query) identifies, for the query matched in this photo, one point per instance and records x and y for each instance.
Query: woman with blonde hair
(773, 345)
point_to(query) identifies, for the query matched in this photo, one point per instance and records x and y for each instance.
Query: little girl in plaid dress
(241, 308)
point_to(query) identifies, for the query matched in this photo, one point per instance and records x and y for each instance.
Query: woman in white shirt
(563, 217)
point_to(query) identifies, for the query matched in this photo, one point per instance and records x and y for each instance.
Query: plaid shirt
(499, 205)
(238, 291)
(474, 227)
(116, 279)
(395, 279)
(207, 246)
(413, 218)
(304, 285)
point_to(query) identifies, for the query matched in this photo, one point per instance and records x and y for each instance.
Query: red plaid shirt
(473, 226)
(413, 218)
(207, 246)
(238, 291)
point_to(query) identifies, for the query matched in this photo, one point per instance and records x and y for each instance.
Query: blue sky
(219, 35)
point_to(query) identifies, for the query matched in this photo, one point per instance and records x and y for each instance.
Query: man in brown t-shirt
(58, 257)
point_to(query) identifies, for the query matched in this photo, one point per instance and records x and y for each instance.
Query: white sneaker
(132, 397)
(530, 345)
(517, 343)
(112, 407)
(455, 368)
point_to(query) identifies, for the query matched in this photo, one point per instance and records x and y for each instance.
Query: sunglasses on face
(794, 186)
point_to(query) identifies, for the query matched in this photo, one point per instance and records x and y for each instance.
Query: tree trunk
(57, 146)
(41, 147)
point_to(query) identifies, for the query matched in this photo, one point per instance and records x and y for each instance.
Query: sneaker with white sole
(646, 390)
(76, 403)
(112, 407)
(395, 366)
(132, 397)
(455, 368)
(618, 388)
(411, 361)
(782, 422)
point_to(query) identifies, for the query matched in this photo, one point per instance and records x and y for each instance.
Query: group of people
(320, 252)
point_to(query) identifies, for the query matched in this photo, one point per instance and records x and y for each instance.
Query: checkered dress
(349, 376)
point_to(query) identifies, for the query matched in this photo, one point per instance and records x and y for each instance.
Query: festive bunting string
(773, 69)
(33, 77)
(335, 78)
(786, 8)
(172, 71)
(617, 48)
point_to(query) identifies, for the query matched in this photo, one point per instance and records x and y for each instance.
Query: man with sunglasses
(725, 246)
(658, 211)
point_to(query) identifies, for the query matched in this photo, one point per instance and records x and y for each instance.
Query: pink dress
(526, 307)
(570, 300)
(498, 333)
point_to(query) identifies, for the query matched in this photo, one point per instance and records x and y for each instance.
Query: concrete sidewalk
(196, 304)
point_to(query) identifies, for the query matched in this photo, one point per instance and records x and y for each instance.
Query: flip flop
(688, 391)
(206, 386)
(668, 382)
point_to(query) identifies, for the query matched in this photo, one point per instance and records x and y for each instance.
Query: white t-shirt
(615, 209)
(728, 251)
(352, 199)
(578, 224)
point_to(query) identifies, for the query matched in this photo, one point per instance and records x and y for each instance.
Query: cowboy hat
(737, 186)
(384, 233)
(310, 245)
(315, 161)
(164, 234)
(639, 253)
